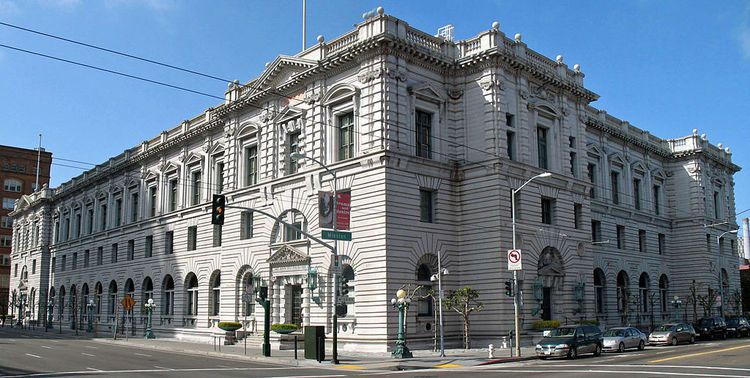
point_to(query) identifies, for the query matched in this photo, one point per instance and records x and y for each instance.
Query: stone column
(306, 299)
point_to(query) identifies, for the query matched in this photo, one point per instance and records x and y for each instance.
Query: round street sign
(514, 259)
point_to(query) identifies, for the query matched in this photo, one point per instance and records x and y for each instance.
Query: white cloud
(8, 8)
(65, 4)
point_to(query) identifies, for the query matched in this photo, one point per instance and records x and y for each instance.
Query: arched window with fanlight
(147, 289)
(112, 297)
(663, 294)
(623, 292)
(600, 287)
(215, 293)
(245, 292)
(61, 303)
(424, 305)
(98, 292)
(167, 298)
(191, 294)
(644, 285)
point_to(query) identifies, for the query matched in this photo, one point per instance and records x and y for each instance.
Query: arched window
(282, 233)
(73, 301)
(112, 297)
(130, 288)
(623, 292)
(13, 185)
(215, 293)
(600, 281)
(85, 296)
(167, 299)
(246, 291)
(644, 284)
(347, 274)
(191, 293)
(61, 303)
(147, 289)
(424, 305)
(663, 294)
(98, 291)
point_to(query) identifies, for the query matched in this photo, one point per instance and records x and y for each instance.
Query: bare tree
(431, 294)
(464, 301)
(707, 301)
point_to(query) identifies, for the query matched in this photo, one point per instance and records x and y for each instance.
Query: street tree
(707, 301)
(464, 302)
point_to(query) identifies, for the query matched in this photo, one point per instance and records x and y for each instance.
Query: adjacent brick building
(18, 177)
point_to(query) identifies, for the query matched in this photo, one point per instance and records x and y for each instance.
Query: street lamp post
(149, 311)
(89, 316)
(262, 299)
(50, 307)
(402, 304)
(439, 278)
(676, 302)
(516, 317)
(718, 269)
(335, 300)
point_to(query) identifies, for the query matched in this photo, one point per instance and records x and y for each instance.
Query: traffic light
(509, 288)
(217, 209)
(344, 286)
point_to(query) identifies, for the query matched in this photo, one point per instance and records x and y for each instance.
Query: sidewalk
(423, 359)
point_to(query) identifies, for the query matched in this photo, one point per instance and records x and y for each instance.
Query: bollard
(295, 347)
(491, 350)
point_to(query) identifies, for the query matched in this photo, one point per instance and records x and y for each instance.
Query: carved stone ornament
(369, 75)
(268, 114)
(184, 155)
(163, 164)
(455, 93)
(565, 111)
(583, 118)
(524, 94)
(288, 255)
(312, 97)
(487, 84)
(229, 129)
(207, 143)
(396, 74)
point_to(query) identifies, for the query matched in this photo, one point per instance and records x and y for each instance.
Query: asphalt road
(39, 354)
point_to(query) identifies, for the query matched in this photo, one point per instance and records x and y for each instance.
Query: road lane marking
(55, 341)
(699, 354)
(33, 355)
(650, 366)
(86, 354)
(141, 354)
(162, 367)
(93, 369)
(91, 347)
(448, 366)
(142, 371)
(47, 347)
(350, 367)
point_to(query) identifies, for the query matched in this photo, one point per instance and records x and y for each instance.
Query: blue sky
(664, 66)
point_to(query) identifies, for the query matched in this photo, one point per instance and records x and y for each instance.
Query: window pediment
(427, 92)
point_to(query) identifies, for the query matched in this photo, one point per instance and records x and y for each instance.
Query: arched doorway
(623, 295)
(550, 274)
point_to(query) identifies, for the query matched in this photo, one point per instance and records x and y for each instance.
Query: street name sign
(336, 235)
(514, 259)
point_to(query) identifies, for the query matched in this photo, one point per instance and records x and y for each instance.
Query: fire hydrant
(491, 349)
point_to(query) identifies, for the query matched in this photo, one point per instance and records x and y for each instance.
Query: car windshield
(733, 322)
(562, 332)
(666, 328)
(706, 322)
(614, 333)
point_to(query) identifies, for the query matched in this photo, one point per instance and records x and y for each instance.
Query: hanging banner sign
(325, 210)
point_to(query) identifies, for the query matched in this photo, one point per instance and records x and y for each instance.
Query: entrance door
(546, 303)
(297, 305)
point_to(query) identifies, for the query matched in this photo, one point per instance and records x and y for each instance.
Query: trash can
(315, 343)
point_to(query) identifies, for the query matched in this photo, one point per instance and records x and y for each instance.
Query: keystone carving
(369, 75)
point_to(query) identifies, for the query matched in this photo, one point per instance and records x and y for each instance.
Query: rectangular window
(721, 245)
(90, 221)
(547, 210)
(169, 242)
(196, 181)
(509, 120)
(292, 147)
(152, 201)
(541, 144)
(100, 256)
(426, 205)
(220, 177)
(657, 199)
(6, 222)
(577, 214)
(53, 264)
(591, 168)
(246, 225)
(192, 238)
(5, 241)
(708, 243)
(615, 181)
(63, 262)
(15, 270)
(113, 256)
(217, 235)
(149, 248)
(133, 207)
(511, 136)
(131, 250)
(103, 218)
(620, 237)
(33, 266)
(346, 135)
(173, 194)
(642, 240)
(86, 257)
(423, 126)
(596, 231)
(662, 243)
(293, 233)
(573, 164)
(251, 165)
(74, 263)
(8, 203)
(118, 212)
(637, 193)
(717, 207)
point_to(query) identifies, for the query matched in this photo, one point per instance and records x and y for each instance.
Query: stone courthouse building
(428, 136)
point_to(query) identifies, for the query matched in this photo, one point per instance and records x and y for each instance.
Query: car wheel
(641, 345)
(692, 339)
(598, 350)
(724, 336)
(621, 348)
(674, 340)
(573, 353)
(542, 357)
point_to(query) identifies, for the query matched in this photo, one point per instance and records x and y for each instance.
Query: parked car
(712, 327)
(738, 326)
(620, 338)
(570, 341)
(672, 334)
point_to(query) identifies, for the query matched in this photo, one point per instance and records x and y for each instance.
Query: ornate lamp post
(402, 304)
(676, 302)
(90, 316)
(262, 299)
(149, 310)
(50, 307)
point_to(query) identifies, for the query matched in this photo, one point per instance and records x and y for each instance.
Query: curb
(506, 360)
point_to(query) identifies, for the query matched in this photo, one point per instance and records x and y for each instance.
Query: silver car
(620, 338)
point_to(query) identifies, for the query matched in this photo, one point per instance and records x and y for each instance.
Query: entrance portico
(289, 291)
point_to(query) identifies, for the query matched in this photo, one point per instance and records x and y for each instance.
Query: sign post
(514, 259)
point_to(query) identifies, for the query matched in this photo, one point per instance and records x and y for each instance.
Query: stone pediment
(288, 255)
(281, 70)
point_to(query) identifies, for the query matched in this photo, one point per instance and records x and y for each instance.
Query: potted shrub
(545, 325)
(230, 337)
(283, 328)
